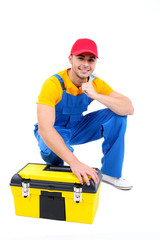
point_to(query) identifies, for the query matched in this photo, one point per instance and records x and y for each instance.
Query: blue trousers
(93, 126)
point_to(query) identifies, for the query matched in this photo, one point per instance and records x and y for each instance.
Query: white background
(36, 38)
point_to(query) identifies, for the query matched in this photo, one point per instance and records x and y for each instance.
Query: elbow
(44, 130)
(131, 112)
(130, 109)
(41, 131)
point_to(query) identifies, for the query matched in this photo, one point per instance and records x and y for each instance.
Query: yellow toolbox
(54, 192)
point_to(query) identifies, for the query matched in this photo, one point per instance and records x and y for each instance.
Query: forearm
(46, 119)
(56, 143)
(120, 105)
(115, 101)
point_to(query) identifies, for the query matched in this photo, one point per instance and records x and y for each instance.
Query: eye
(91, 60)
(80, 58)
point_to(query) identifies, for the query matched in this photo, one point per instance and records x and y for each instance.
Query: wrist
(97, 96)
(72, 160)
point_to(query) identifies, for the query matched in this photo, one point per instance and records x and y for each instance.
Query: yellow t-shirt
(51, 91)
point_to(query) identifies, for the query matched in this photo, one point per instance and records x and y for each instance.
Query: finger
(86, 179)
(95, 178)
(80, 178)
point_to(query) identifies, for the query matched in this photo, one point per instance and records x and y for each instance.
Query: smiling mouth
(84, 70)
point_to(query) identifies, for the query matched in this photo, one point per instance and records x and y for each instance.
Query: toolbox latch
(77, 194)
(25, 189)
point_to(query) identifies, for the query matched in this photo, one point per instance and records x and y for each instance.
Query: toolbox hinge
(25, 189)
(77, 194)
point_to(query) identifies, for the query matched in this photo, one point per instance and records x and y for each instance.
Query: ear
(70, 59)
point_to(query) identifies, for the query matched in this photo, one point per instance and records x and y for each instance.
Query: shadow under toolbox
(54, 192)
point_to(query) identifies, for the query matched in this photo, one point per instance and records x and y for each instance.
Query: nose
(85, 63)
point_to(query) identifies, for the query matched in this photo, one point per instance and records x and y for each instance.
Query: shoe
(119, 183)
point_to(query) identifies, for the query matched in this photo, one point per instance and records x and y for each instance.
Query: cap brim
(84, 51)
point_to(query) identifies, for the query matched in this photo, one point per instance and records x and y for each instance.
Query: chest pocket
(71, 107)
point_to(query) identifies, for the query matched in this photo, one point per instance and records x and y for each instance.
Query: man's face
(83, 65)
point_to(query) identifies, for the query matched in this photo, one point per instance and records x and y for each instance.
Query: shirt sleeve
(102, 87)
(51, 92)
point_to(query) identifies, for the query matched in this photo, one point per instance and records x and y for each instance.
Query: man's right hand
(83, 171)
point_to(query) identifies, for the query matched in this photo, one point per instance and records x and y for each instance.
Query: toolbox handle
(54, 168)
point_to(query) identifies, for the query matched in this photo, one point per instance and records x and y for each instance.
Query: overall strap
(60, 80)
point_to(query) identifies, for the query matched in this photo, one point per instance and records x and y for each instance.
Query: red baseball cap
(84, 45)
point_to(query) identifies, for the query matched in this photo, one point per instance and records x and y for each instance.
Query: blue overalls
(77, 129)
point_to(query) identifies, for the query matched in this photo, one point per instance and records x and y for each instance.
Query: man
(63, 99)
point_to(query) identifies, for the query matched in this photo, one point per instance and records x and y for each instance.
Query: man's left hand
(89, 90)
